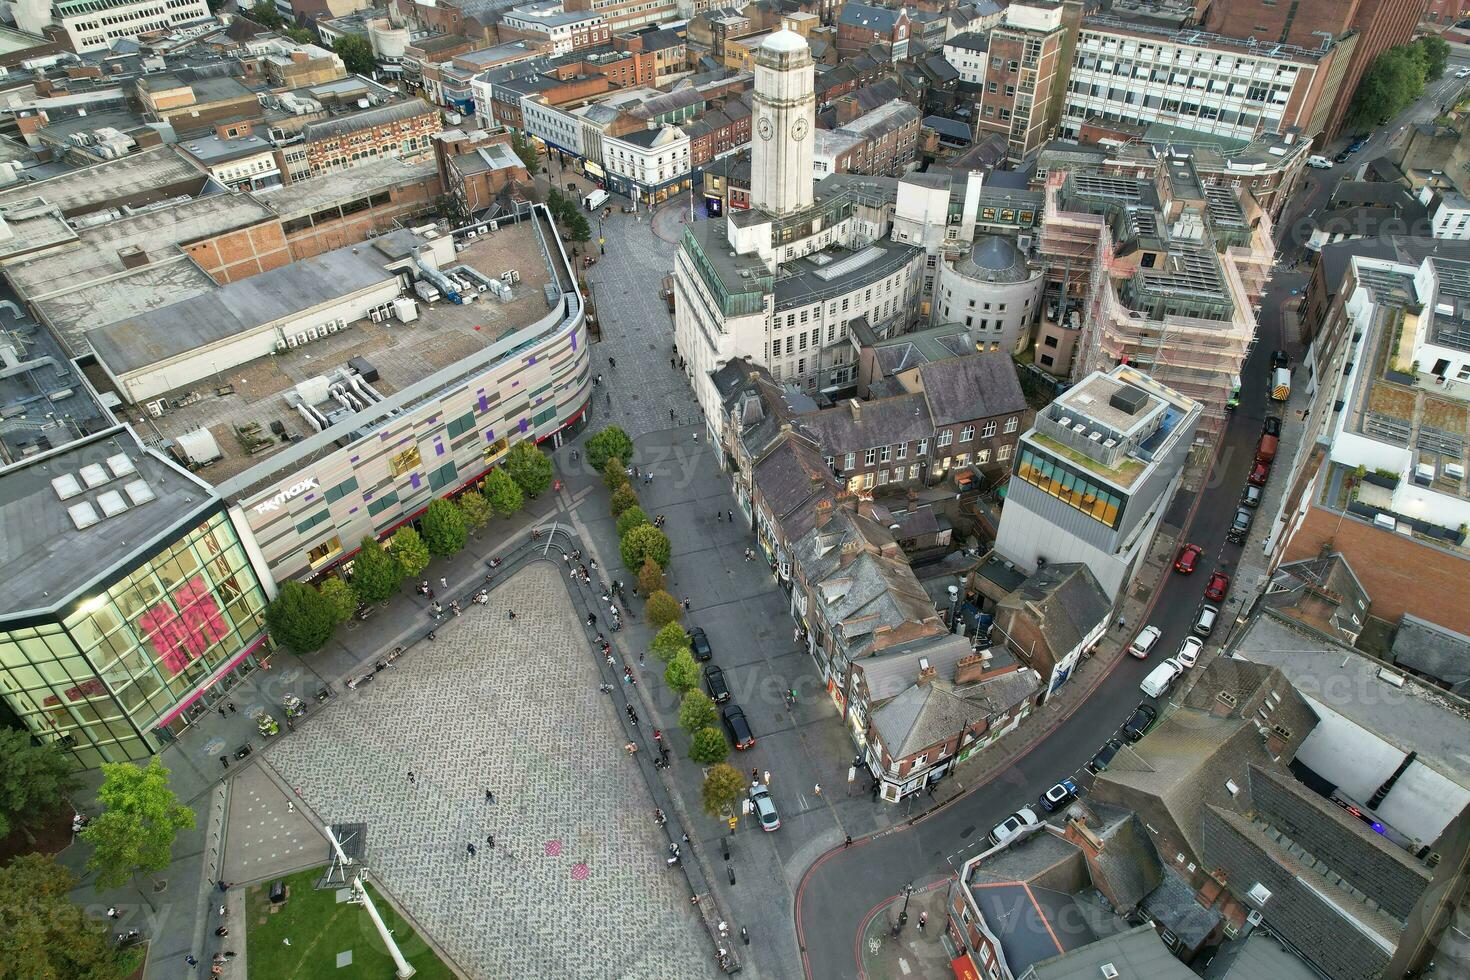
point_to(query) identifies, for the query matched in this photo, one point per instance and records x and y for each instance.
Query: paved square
(574, 883)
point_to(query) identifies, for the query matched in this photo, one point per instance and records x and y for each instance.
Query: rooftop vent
(121, 466)
(94, 475)
(66, 486)
(1128, 400)
(111, 503)
(139, 492)
(82, 515)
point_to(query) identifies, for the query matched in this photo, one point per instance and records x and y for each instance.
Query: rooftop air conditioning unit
(157, 408)
(301, 338)
(293, 340)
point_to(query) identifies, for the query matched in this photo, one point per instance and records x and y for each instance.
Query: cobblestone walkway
(575, 884)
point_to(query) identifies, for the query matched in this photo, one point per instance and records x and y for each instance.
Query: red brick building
(404, 129)
(722, 128)
(860, 26)
(1443, 13)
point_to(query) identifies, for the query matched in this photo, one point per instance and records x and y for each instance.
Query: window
(849, 460)
(461, 425)
(870, 457)
(325, 550)
(945, 438)
(340, 490)
(885, 453)
(989, 430)
(1003, 453)
(982, 456)
(922, 448)
(903, 450)
(1012, 423)
(967, 433)
(404, 461)
(382, 503)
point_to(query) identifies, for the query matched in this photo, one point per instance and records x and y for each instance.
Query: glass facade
(109, 679)
(1069, 486)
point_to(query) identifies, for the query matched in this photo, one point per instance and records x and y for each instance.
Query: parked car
(1357, 144)
(1058, 796)
(1007, 828)
(1251, 496)
(1463, 73)
(764, 807)
(1188, 559)
(1259, 474)
(737, 726)
(1319, 161)
(1266, 448)
(1204, 623)
(1144, 642)
(714, 683)
(1219, 585)
(1189, 651)
(1240, 526)
(1099, 762)
(1272, 426)
(699, 644)
(1143, 719)
(1161, 678)
(1342, 157)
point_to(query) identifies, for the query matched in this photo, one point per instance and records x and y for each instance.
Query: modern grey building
(1095, 473)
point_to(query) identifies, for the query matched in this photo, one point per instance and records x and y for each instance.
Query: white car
(1463, 73)
(1144, 642)
(765, 808)
(1189, 651)
(1007, 828)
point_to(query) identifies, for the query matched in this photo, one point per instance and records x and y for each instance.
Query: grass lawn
(320, 928)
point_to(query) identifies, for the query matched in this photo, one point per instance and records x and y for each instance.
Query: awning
(593, 169)
(964, 967)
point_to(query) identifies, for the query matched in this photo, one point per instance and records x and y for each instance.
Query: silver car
(765, 808)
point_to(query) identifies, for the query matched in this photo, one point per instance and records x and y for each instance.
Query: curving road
(841, 888)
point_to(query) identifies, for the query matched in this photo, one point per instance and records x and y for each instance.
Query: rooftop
(1432, 651)
(306, 195)
(402, 353)
(53, 508)
(211, 149)
(1033, 924)
(44, 402)
(836, 270)
(1137, 953)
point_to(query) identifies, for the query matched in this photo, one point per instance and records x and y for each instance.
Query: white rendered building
(93, 25)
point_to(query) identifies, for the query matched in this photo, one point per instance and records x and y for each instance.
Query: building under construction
(1161, 271)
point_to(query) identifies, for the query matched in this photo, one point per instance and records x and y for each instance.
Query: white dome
(784, 41)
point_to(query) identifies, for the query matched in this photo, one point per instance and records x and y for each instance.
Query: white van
(1320, 162)
(595, 200)
(1160, 678)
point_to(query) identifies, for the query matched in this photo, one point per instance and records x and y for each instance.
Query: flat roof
(50, 401)
(42, 537)
(310, 194)
(836, 270)
(403, 354)
(12, 40)
(1033, 924)
(212, 149)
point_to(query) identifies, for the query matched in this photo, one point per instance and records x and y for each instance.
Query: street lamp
(903, 915)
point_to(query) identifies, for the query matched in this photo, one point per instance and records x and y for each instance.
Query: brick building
(1024, 75)
(723, 128)
(882, 142)
(404, 129)
(319, 214)
(558, 30)
(861, 27)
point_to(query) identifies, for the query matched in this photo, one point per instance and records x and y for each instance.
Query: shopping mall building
(250, 433)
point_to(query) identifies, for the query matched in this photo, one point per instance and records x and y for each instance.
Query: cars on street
(737, 726)
(1272, 426)
(1319, 161)
(1342, 157)
(1143, 719)
(764, 807)
(1219, 585)
(1280, 359)
(1189, 651)
(1204, 623)
(714, 683)
(1240, 526)
(1144, 642)
(1251, 496)
(1099, 762)
(1161, 678)
(1463, 73)
(1188, 559)
(1058, 796)
(1357, 144)
(1007, 828)
(699, 644)
(1260, 472)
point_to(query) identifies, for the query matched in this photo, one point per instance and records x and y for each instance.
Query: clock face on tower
(798, 129)
(765, 128)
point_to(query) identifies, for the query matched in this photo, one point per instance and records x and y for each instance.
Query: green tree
(529, 467)
(682, 673)
(623, 498)
(579, 229)
(1390, 85)
(300, 35)
(645, 542)
(300, 618)
(669, 641)
(611, 441)
(614, 474)
(43, 934)
(34, 783)
(476, 509)
(709, 747)
(723, 786)
(559, 205)
(376, 574)
(265, 14)
(504, 496)
(662, 609)
(445, 530)
(631, 518)
(340, 599)
(409, 551)
(650, 577)
(526, 150)
(139, 821)
(1435, 52)
(696, 711)
(356, 54)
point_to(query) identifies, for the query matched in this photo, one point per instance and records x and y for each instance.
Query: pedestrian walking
(720, 516)
(631, 748)
(923, 920)
(471, 848)
(490, 840)
(222, 910)
(671, 411)
(410, 777)
(730, 516)
(592, 619)
(189, 959)
(222, 931)
(612, 362)
(686, 603)
(443, 583)
(221, 711)
(224, 760)
(696, 435)
(817, 789)
(848, 842)
(511, 614)
(658, 817)
(767, 777)
(231, 706)
(755, 774)
(113, 913)
(628, 676)
(633, 715)
(489, 796)
(675, 365)
(290, 807)
(286, 941)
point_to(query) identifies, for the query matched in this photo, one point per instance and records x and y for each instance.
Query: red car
(1219, 585)
(1188, 559)
(1258, 475)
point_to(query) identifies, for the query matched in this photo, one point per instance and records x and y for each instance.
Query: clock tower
(784, 111)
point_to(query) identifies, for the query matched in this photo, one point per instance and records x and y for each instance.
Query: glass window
(967, 433)
(404, 461)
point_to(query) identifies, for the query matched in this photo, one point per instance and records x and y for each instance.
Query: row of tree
(568, 211)
(1396, 79)
(304, 617)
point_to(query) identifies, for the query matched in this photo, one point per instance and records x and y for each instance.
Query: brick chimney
(971, 669)
(926, 672)
(1223, 705)
(857, 409)
(300, 57)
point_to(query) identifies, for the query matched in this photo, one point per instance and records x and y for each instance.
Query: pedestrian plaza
(575, 883)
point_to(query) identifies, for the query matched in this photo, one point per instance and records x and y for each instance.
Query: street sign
(734, 821)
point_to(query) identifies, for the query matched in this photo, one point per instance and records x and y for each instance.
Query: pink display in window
(183, 637)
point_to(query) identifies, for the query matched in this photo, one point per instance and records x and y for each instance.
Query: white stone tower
(785, 107)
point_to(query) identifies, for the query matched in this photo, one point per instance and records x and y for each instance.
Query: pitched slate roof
(976, 386)
(1430, 649)
(1174, 907)
(1065, 602)
(879, 19)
